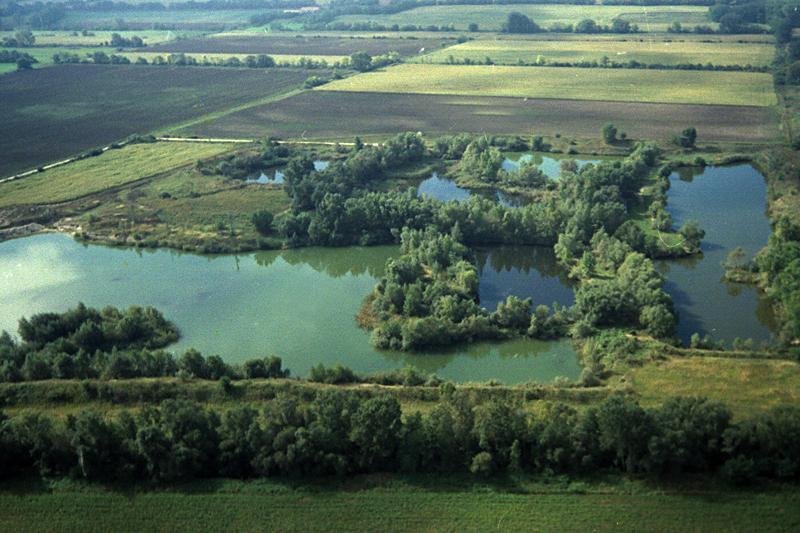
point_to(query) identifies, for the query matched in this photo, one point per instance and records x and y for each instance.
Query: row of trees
(342, 433)
(519, 23)
(184, 60)
(606, 62)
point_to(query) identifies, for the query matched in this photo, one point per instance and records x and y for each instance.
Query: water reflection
(276, 176)
(523, 271)
(729, 203)
(550, 165)
(298, 304)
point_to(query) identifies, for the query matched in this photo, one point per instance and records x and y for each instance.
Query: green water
(730, 205)
(297, 304)
(550, 165)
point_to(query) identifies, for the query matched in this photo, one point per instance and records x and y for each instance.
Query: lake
(297, 304)
(730, 205)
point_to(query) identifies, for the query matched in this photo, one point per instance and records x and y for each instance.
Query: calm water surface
(730, 205)
(297, 304)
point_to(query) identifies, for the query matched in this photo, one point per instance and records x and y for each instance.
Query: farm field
(629, 85)
(646, 51)
(98, 38)
(492, 17)
(184, 19)
(388, 504)
(319, 115)
(44, 54)
(301, 45)
(110, 169)
(747, 386)
(260, 31)
(96, 105)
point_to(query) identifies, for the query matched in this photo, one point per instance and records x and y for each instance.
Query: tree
(586, 26)
(620, 26)
(24, 38)
(513, 313)
(610, 133)
(262, 220)
(519, 23)
(473, 27)
(625, 430)
(376, 432)
(25, 63)
(687, 138)
(658, 320)
(793, 73)
(692, 235)
(361, 61)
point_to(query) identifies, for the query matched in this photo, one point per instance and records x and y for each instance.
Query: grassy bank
(110, 169)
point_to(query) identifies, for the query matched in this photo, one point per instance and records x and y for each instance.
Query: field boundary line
(224, 112)
(529, 98)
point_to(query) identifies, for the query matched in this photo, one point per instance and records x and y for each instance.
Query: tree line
(338, 432)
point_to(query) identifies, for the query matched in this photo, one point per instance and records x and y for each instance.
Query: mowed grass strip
(646, 51)
(628, 85)
(492, 17)
(359, 505)
(110, 169)
(747, 386)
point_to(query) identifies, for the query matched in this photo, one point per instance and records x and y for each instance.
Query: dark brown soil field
(329, 115)
(53, 113)
(308, 45)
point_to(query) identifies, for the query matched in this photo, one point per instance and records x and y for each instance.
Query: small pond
(550, 164)
(276, 175)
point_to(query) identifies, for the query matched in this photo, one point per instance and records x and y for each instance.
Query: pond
(550, 165)
(730, 205)
(276, 175)
(445, 189)
(297, 304)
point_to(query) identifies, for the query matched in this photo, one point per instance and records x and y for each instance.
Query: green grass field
(747, 386)
(388, 503)
(492, 17)
(629, 85)
(100, 38)
(510, 52)
(182, 18)
(113, 168)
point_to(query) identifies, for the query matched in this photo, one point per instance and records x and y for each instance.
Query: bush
(262, 220)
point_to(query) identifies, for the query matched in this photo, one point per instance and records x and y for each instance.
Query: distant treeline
(183, 60)
(338, 432)
(633, 64)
